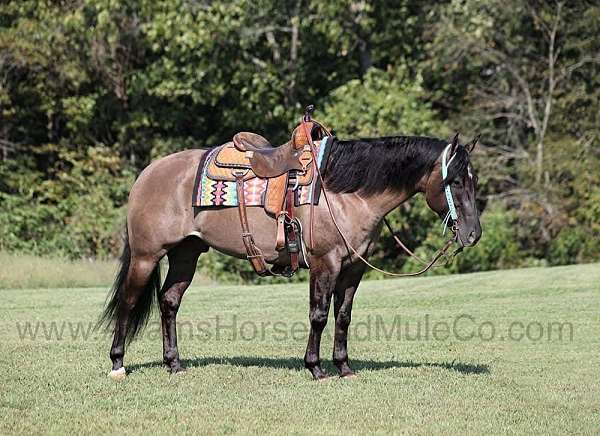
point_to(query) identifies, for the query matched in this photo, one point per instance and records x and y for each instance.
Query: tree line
(92, 91)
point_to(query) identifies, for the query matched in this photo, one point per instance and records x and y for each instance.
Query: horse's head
(451, 189)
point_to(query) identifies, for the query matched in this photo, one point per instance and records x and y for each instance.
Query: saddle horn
(308, 112)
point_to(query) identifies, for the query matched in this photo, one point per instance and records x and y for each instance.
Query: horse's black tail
(139, 315)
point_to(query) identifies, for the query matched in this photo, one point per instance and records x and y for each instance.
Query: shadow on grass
(298, 364)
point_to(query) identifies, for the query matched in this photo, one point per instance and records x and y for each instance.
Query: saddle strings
(427, 267)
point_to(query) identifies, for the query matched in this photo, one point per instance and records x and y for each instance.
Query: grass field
(22, 271)
(539, 373)
(27, 271)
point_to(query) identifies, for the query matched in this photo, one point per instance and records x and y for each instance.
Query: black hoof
(177, 370)
(318, 373)
(344, 369)
(175, 367)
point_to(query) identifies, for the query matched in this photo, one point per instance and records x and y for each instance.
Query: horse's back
(175, 161)
(168, 172)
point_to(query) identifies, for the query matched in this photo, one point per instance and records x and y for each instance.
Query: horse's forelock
(459, 166)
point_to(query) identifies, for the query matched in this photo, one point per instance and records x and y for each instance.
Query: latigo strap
(253, 253)
(288, 235)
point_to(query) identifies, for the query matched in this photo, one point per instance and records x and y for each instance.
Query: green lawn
(251, 379)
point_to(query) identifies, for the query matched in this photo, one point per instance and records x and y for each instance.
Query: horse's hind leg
(131, 305)
(182, 266)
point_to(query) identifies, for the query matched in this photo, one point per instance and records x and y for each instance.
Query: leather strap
(280, 241)
(286, 232)
(307, 125)
(253, 253)
(292, 241)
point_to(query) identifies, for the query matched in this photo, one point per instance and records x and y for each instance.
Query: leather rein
(427, 264)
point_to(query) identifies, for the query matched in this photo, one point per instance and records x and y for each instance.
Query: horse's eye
(457, 183)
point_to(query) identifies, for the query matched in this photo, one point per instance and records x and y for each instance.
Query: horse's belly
(222, 230)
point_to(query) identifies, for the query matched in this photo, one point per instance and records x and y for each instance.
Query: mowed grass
(250, 378)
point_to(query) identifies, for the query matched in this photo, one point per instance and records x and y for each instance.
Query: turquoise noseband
(449, 199)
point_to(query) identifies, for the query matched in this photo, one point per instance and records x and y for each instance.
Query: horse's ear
(471, 147)
(454, 144)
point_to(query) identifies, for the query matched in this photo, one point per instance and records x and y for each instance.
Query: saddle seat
(248, 141)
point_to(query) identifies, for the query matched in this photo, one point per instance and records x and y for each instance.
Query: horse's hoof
(117, 374)
(324, 378)
(349, 376)
(177, 370)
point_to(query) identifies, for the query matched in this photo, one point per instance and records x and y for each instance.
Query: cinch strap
(451, 208)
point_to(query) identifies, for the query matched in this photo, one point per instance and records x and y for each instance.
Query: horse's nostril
(471, 237)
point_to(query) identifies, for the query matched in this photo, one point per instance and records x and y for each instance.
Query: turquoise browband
(451, 209)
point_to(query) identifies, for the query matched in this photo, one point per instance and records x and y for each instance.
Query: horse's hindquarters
(160, 214)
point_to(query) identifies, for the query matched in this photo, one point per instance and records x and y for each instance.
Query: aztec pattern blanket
(217, 193)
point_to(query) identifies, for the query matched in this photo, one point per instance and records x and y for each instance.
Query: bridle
(447, 191)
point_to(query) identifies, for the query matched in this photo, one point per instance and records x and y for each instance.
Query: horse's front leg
(323, 276)
(345, 289)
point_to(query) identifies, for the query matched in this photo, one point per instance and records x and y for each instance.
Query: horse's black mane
(373, 165)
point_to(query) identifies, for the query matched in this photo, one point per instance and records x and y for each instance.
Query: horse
(363, 179)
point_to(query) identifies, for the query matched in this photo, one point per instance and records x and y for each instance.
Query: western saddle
(286, 167)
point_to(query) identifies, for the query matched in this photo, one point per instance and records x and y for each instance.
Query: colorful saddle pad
(215, 182)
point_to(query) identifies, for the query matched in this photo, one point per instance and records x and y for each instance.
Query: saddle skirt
(215, 184)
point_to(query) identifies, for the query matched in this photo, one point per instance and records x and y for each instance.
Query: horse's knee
(318, 318)
(343, 319)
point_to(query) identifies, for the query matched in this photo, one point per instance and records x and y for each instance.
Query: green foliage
(524, 76)
(498, 247)
(74, 211)
(383, 104)
(91, 92)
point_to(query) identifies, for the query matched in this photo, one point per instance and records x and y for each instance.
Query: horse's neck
(361, 215)
(384, 203)
(368, 211)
